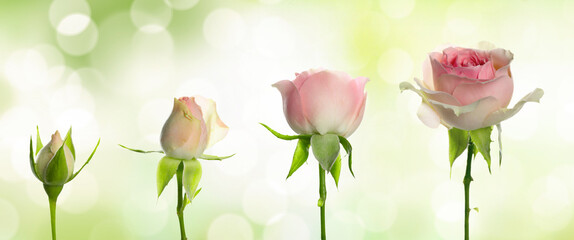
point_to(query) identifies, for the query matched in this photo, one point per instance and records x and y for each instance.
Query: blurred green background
(111, 68)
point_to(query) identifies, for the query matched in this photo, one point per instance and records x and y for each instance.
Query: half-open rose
(468, 88)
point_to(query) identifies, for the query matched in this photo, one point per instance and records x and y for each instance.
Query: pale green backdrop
(110, 69)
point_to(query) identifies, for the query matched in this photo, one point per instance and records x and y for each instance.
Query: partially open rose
(468, 88)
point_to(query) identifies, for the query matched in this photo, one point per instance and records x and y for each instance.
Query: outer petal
(302, 77)
(358, 118)
(428, 116)
(184, 134)
(216, 129)
(330, 101)
(469, 117)
(293, 108)
(503, 114)
(501, 57)
(500, 88)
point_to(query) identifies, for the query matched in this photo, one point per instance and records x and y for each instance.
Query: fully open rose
(467, 88)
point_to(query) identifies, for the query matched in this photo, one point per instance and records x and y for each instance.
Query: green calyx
(325, 148)
(190, 170)
(481, 139)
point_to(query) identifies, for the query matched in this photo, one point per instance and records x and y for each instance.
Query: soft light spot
(247, 153)
(152, 116)
(9, 220)
(262, 202)
(73, 24)
(181, 4)
(230, 226)
(84, 191)
(150, 15)
(151, 214)
(345, 225)
(287, 227)
(60, 9)
(397, 9)
(81, 43)
(25, 69)
(274, 38)
(395, 66)
(224, 29)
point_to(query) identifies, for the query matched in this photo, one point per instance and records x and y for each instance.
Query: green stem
(466, 181)
(180, 201)
(322, 199)
(53, 191)
(53, 217)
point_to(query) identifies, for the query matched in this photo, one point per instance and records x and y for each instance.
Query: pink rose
(323, 101)
(192, 127)
(468, 88)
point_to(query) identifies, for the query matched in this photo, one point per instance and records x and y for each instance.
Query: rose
(468, 88)
(323, 101)
(192, 127)
(48, 167)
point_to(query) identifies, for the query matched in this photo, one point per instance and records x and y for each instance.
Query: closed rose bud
(323, 102)
(49, 166)
(192, 127)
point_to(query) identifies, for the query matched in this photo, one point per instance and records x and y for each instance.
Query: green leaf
(481, 140)
(70, 144)
(300, 156)
(87, 161)
(32, 163)
(39, 145)
(166, 168)
(475, 209)
(499, 128)
(284, 137)
(349, 149)
(336, 170)
(139, 151)
(325, 149)
(212, 157)
(457, 143)
(191, 177)
(56, 172)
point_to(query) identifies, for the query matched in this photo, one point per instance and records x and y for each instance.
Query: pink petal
(500, 57)
(443, 81)
(330, 99)
(184, 134)
(293, 108)
(357, 119)
(500, 88)
(486, 71)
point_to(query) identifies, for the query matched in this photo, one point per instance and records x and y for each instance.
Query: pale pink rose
(47, 153)
(468, 88)
(192, 127)
(323, 101)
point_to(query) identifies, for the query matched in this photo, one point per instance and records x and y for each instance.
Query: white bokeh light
(230, 226)
(151, 214)
(286, 227)
(152, 116)
(150, 15)
(395, 66)
(25, 69)
(60, 9)
(73, 24)
(224, 29)
(397, 9)
(262, 202)
(274, 37)
(80, 43)
(181, 4)
(9, 220)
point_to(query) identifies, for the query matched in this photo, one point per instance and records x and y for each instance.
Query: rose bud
(49, 161)
(323, 102)
(192, 127)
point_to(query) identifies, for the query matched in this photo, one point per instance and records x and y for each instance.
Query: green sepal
(56, 172)
(284, 137)
(139, 151)
(70, 144)
(196, 192)
(166, 168)
(191, 176)
(87, 161)
(336, 170)
(39, 144)
(53, 191)
(212, 157)
(481, 139)
(325, 149)
(475, 209)
(186, 200)
(349, 149)
(32, 163)
(300, 156)
(457, 143)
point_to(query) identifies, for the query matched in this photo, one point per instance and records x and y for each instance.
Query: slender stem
(53, 191)
(322, 199)
(466, 181)
(180, 201)
(53, 217)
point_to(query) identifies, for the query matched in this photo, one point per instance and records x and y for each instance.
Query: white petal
(428, 116)
(215, 127)
(503, 114)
